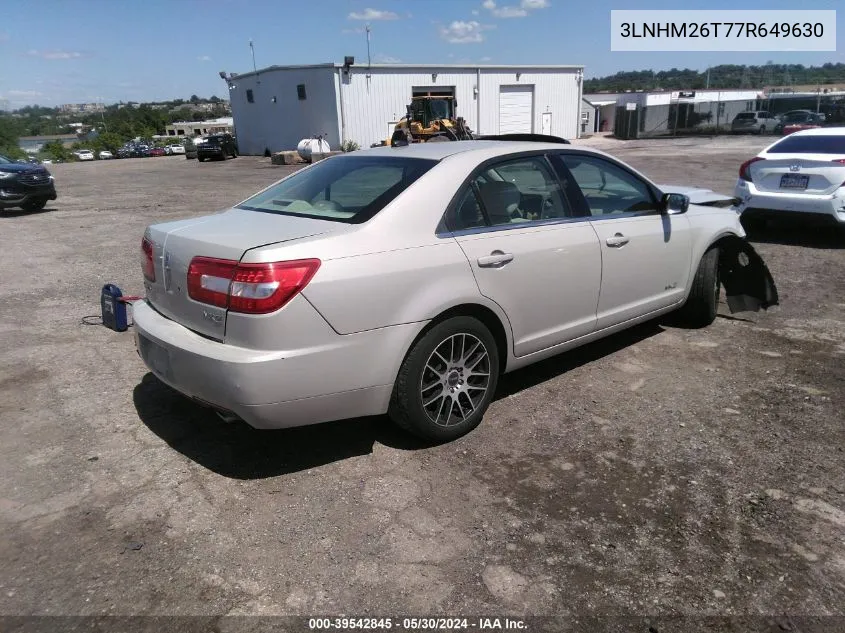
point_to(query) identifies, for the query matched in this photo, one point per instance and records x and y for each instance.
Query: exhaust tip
(227, 416)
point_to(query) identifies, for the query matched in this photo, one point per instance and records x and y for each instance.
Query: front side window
(514, 192)
(344, 189)
(607, 188)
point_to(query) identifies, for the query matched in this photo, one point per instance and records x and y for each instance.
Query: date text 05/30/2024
(416, 624)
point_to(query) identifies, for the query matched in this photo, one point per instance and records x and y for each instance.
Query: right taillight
(147, 265)
(743, 169)
(248, 288)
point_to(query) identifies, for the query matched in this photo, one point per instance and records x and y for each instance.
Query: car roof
(821, 131)
(439, 151)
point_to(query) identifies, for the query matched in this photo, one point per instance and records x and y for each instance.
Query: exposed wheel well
(728, 245)
(483, 314)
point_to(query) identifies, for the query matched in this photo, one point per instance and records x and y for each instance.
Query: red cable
(129, 299)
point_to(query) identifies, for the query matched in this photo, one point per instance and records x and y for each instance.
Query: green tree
(55, 151)
(195, 99)
(9, 141)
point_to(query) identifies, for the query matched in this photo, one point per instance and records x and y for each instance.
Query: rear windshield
(745, 115)
(811, 144)
(344, 189)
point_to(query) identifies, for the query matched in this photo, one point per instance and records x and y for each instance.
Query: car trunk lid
(226, 236)
(818, 174)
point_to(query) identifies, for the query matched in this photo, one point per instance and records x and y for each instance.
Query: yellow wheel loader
(430, 119)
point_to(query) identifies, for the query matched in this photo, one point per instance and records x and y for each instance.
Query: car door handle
(616, 241)
(496, 259)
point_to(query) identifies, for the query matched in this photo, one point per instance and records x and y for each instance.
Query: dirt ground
(661, 472)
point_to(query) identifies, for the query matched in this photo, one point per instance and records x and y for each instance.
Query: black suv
(217, 146)
(25, 185)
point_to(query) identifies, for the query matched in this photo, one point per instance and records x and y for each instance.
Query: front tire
(703, 300)
(447, 380)
(34, 205)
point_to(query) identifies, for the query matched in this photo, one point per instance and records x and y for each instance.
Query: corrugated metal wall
(372, 105)
(280, 125)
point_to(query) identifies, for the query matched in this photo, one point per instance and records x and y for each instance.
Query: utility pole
(707, 87)
(254, 68)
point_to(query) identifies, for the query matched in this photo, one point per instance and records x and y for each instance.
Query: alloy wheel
(455, 379)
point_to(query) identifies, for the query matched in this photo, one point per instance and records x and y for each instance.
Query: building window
(249, 95)
(300, 91)
(585, 116)
(197, 131)
(180, 132)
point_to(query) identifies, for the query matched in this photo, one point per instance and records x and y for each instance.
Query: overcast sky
(92, 50)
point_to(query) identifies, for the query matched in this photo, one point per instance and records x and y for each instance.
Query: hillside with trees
(117, 124)
(724, 77)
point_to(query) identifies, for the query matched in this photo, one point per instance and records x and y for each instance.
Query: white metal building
(276, 107)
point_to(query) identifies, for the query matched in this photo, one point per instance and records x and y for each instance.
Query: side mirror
(674, 203)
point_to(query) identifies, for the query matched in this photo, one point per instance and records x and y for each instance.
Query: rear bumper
(827, 208)
(16, 194)
(348, 376)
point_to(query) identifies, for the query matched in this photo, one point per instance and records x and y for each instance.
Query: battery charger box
(113, 308)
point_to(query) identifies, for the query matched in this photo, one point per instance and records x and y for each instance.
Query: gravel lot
(661, 472)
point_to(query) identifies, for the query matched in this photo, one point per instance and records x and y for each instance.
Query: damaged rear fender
(749, 285)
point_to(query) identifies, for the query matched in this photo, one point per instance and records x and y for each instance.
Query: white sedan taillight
(248, 288)
(147, 265)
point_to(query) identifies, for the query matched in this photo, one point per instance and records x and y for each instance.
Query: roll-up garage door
(516, 108)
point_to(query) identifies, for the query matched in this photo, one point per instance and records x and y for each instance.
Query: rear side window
(344, 189)
(813, 144)
(515, 192)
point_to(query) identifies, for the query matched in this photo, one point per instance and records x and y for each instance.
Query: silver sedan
(407, 280)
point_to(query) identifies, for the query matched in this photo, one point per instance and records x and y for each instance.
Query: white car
(175, 148)
(84, 154)
(798, 176)
(406, 280)
(105, 155)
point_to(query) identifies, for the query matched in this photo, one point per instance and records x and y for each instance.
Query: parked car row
(144, 150)
(764, 122)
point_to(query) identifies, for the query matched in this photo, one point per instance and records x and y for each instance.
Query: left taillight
(147, 265)
(248, 288)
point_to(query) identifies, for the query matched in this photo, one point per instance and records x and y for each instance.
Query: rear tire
(701, 305)
(34, 205)
(447, 380)
(762, 130)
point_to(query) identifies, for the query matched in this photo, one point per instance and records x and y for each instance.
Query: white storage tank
(309, 146)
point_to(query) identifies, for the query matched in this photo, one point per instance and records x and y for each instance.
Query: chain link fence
(682, 117)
